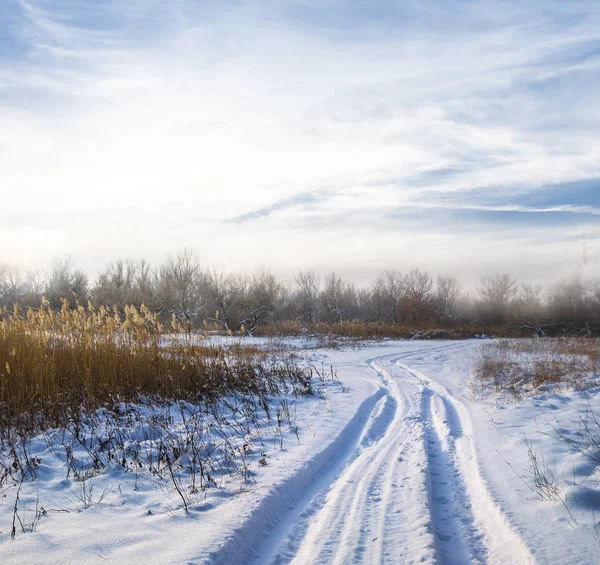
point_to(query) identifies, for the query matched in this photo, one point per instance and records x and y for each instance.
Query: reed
(56, 364)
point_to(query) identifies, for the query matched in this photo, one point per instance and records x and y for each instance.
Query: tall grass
(56, 364)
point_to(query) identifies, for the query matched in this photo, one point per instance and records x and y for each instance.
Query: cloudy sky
(457, 136)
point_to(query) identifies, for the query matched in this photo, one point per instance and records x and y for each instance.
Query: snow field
(397, 466)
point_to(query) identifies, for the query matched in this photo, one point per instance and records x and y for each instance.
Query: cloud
(246, 126)
(305, 200)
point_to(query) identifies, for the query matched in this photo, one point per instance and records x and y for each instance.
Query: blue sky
(456, 136)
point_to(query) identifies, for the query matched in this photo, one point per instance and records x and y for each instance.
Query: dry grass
(361, 330)
(54, 365)
(125, 393)
(522, 365)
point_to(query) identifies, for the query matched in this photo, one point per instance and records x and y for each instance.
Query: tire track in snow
(488, 535)
(349, 495)
(400, 484)
(457, 539)
(376, 510)
(356, 531)
(283, 504)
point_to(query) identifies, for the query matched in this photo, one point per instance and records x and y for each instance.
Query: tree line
(200, 297)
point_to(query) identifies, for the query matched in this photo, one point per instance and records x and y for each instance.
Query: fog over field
(458, 137)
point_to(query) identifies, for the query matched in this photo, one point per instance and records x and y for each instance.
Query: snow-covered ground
(398, 465)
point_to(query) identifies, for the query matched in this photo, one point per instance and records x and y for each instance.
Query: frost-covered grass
(180, 449)
(524, 365)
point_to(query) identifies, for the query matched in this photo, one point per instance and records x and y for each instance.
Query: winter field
(389, 452)
(300, 282)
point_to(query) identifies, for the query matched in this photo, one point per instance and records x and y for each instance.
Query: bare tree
(20, 288)
(392, 286)
(530, 309)
(332, 298)
(262, 296)
(220, 292)
(446, 298)
(354, 302)
(572, 305)
(114, 285)
(125, 282)
(144, 288)
(418, 297)
(307, 295)
(376, 300)
(11, 287)
(66, 282)
(180, 280)
(496, 292)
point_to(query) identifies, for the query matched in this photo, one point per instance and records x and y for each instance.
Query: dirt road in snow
(401, 484)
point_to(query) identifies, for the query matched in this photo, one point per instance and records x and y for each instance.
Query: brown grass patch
(525, 364)
(361, 330)
(54, 364)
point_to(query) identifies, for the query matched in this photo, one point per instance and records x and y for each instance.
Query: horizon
(456, 138)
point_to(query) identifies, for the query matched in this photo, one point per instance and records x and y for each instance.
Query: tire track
(457, 539)
(401, 484)
(283, 505)
(354, 533)
(486, 532)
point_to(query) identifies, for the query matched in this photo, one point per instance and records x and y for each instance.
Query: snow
(398, 465)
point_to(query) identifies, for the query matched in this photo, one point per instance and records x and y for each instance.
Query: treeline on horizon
(201, 298)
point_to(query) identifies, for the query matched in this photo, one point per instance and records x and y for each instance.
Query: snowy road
(400, 485)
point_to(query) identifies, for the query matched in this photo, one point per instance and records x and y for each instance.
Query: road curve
(401, 484)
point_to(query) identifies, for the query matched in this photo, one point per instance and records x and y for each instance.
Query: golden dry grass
(55, 364)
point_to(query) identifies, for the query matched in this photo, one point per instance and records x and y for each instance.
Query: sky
(460, 137)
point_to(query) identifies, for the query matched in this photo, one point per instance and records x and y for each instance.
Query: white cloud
(156, 131)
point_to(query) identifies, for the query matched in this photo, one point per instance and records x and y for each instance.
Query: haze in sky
(455, 136)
